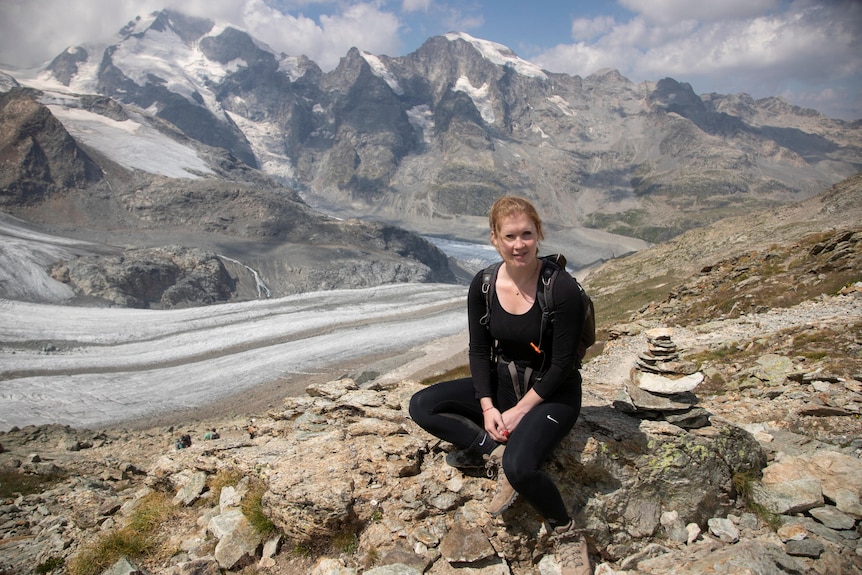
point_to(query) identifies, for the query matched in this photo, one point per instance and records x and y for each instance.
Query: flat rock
(655, 383)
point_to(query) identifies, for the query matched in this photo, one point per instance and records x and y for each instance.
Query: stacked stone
(661, 386)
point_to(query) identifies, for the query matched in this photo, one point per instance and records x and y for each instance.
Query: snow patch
(182, 67)
(500, 55)
(562, 104)
(132, 144)
(290, 67)
(422, 119)
(381, 71)
(479, 96)
(266, 142)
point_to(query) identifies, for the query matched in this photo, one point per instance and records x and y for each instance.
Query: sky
(806, 51)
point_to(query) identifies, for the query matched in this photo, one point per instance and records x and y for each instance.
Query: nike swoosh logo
(554, 420)
(481, 443)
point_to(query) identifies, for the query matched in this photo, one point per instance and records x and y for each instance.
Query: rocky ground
(415, 515)
(753, 470)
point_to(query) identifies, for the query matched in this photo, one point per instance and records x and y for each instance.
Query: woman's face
(517, 240)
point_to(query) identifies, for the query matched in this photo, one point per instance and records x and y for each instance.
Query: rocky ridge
(237, 219)
(439, 133)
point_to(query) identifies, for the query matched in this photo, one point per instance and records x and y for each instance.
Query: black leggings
(451, 412)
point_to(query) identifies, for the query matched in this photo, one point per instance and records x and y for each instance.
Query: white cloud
(664, 11)
(722, 47)
(32, 35)
(416, 5)
(589, 28)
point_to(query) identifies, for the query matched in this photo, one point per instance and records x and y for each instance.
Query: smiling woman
(522, 398)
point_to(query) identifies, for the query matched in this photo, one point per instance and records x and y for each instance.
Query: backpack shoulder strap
(551, 266)
(489, 276)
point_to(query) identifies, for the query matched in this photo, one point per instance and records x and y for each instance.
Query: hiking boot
(570, 550)
(465, 459)
(505, 494)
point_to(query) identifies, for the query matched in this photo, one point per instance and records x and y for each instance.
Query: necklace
(517, 289)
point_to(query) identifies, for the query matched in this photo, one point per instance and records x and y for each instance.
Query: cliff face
(38, 157)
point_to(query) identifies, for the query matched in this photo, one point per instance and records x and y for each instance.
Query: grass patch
(743, 483)
(51, 564)
(224, 478)
(618, 307)
(345, 542)
(455, 373)
(253, 509)
(138, 539)
(14, 483)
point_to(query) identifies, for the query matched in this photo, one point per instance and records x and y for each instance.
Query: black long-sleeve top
(514, 333)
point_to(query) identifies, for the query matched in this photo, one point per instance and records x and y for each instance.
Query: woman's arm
(568, 325)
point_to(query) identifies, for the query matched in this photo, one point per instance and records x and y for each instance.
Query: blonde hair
(508, 205)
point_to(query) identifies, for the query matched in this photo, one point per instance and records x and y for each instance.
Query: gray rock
(724, 529)
(832, 518)
(804, 548)
(190, 492)
(463, 544)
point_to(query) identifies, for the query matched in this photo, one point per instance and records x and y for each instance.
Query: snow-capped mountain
(425, 141)
(442, 131)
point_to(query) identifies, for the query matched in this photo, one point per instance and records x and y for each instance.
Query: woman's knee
(418, 408)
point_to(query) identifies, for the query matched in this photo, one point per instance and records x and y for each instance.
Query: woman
(521, 400)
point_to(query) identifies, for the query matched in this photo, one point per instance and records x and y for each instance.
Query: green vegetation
(140, 538)
(224, 478)
(253, 510)
(14, 483)
(251, 505)
(743, 482)
(51, 564)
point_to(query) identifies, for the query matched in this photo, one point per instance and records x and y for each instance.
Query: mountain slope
(441, 132)
(221, 206)
(623, 286)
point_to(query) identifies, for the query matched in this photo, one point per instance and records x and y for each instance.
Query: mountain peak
(499, 54)
(188, 28)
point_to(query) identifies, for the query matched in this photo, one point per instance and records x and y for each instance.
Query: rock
(804, 548)
(190, 492)
(832, 518)
(755, 557)
(463, 544)
(724, 529)
(654, 383)
(772, 369)
(238, 541)
(124, 567)
(799, 483)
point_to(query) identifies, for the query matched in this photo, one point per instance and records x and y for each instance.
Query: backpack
(551, 266)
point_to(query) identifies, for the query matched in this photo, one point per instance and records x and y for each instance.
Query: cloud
(325, 41)
(726, 49)
(35, 31)
(590, 28)
(416, 5)
(664, 11)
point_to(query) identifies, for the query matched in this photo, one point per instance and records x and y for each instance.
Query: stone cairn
(661, 386)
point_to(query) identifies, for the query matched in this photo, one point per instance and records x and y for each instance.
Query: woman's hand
(512, 417)
(494, 425)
